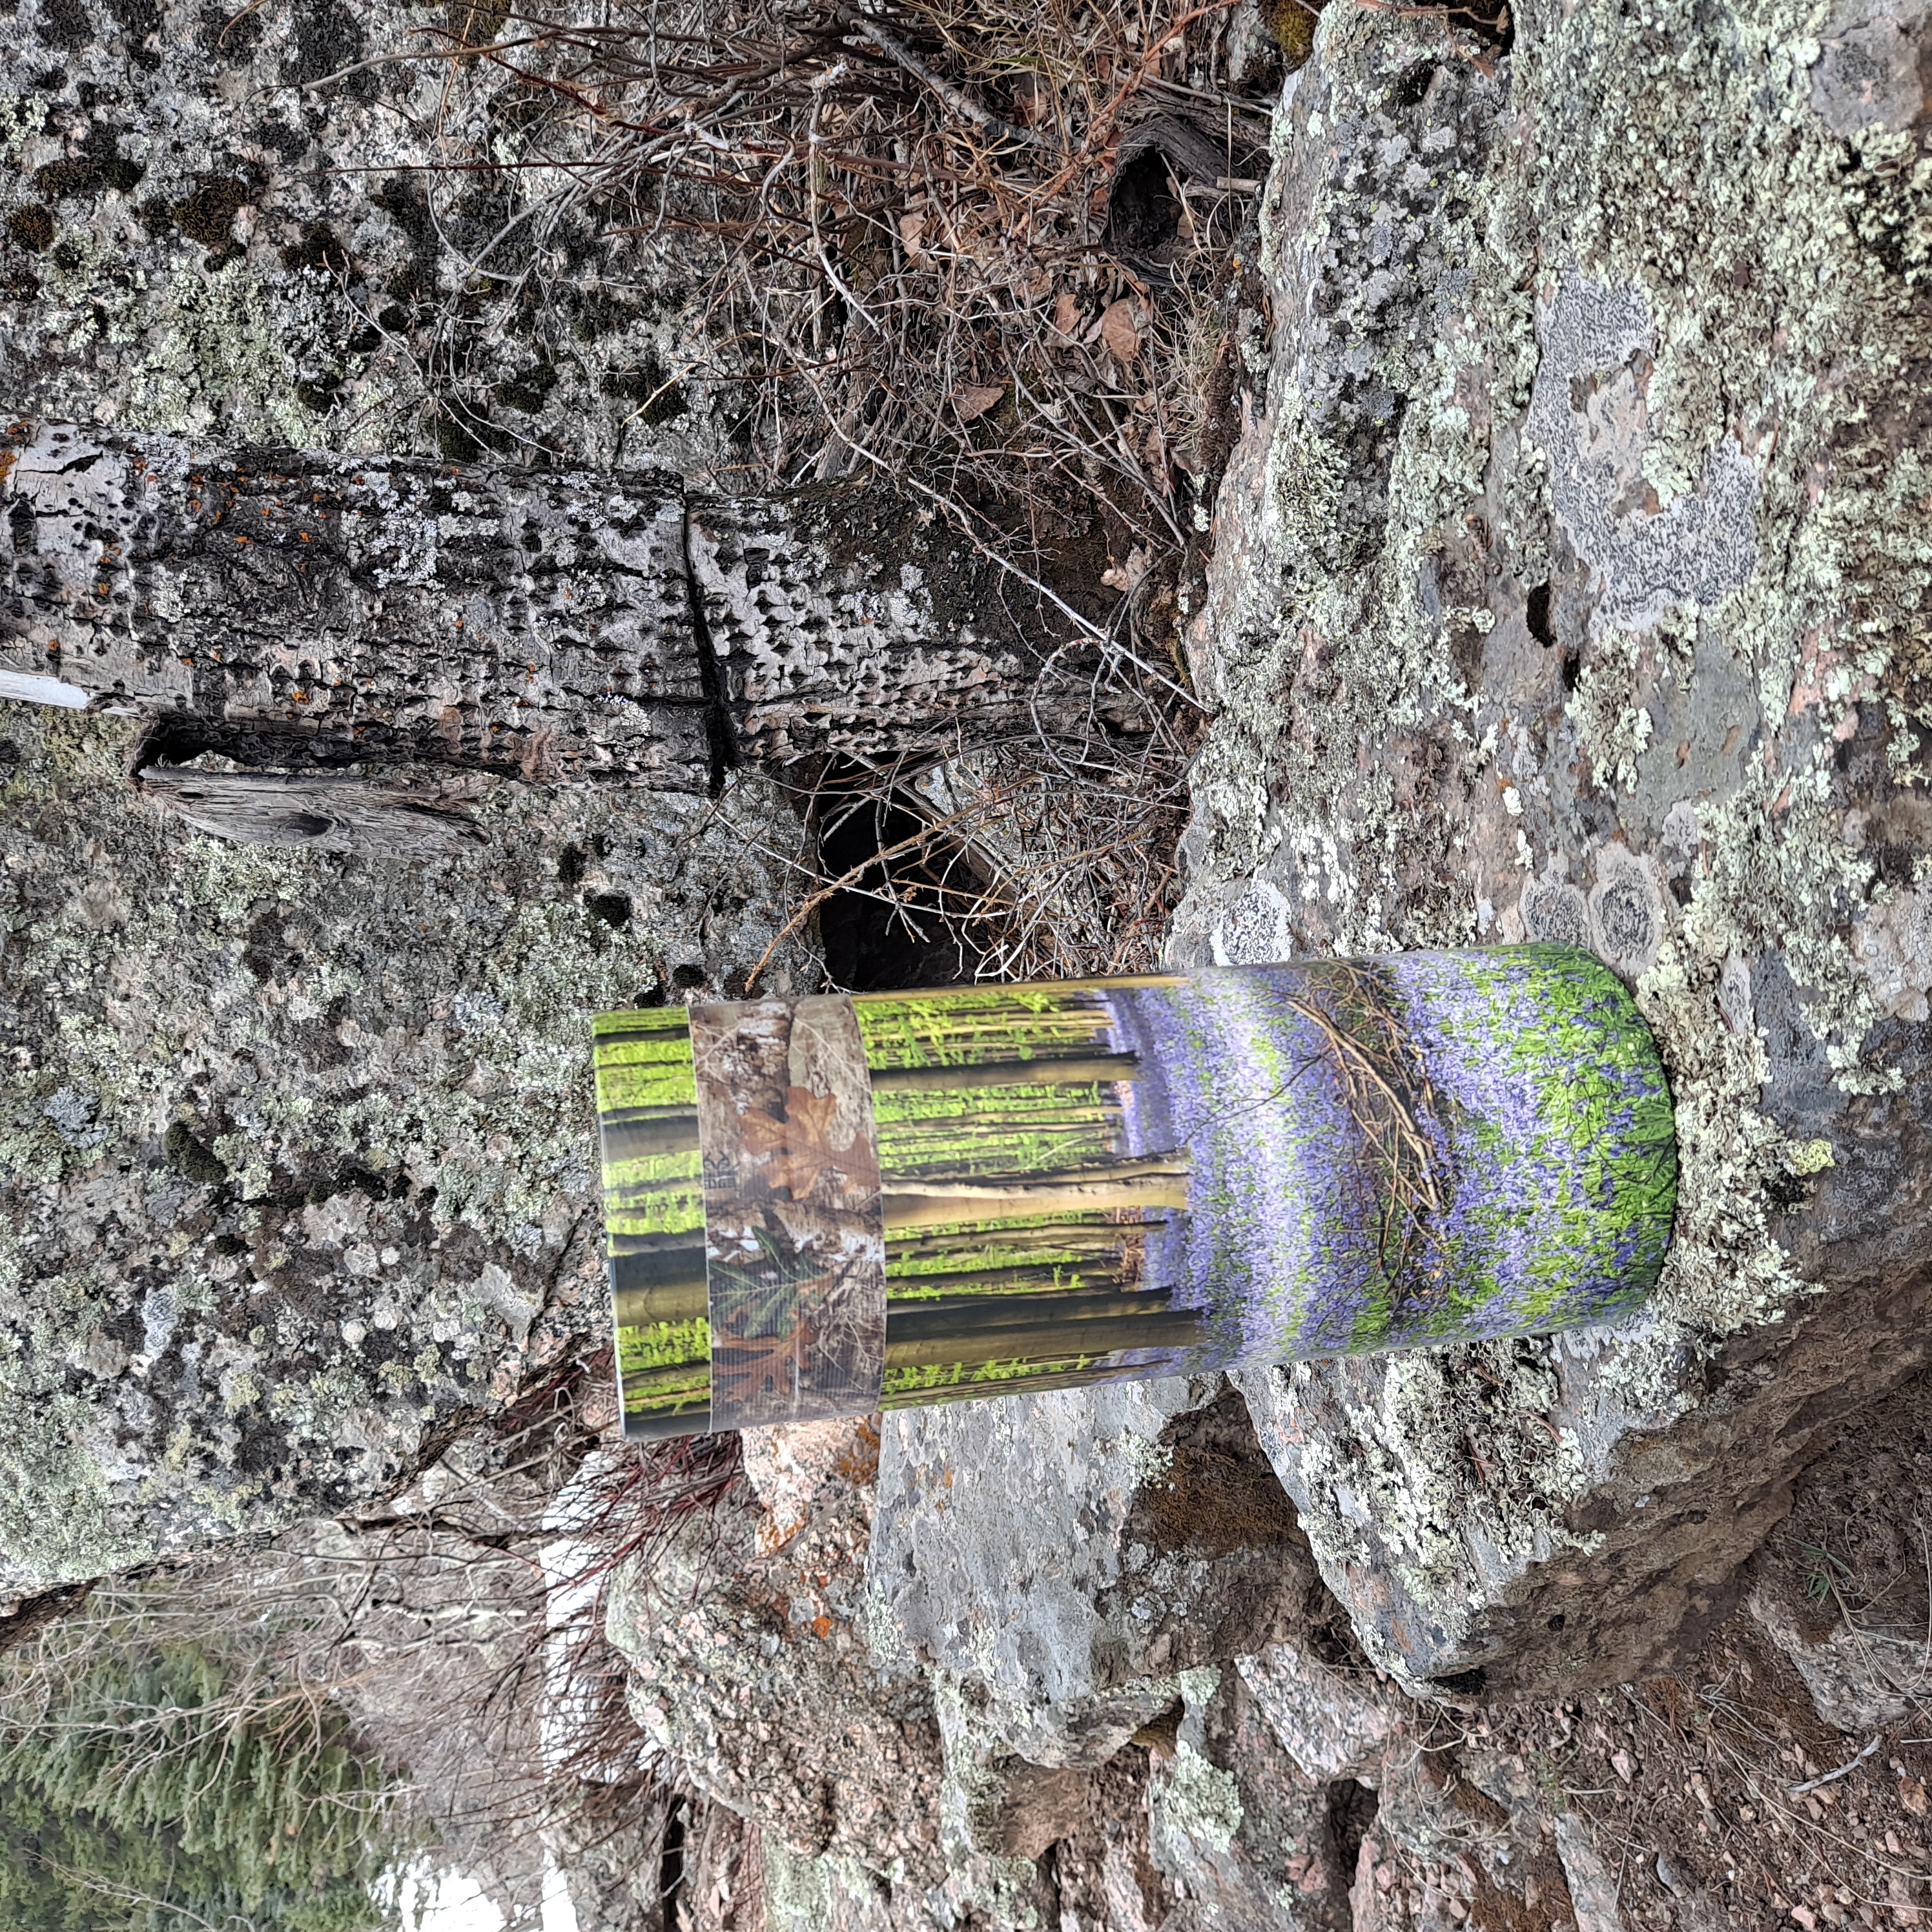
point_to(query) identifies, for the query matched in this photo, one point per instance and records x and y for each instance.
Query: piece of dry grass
(906, 214)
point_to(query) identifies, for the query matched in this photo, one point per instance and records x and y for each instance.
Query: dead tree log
(292, 611)
(326, 811)
(300, 610)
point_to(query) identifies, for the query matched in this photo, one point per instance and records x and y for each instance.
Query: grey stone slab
(1570, 584)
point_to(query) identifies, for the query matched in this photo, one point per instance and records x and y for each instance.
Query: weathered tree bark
(326, 811)
(288, 609)
(299, 610)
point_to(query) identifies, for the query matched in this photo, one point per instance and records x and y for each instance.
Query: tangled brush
(997, 258)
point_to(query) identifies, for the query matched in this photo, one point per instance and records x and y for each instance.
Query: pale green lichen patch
(1197, 1801)
(297, 1149)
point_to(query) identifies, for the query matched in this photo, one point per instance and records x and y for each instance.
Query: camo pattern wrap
(795, 1247)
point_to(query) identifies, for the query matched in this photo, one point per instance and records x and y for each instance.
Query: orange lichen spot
(299, 697)
(304, 536)
(240, 540)
(821, 1627)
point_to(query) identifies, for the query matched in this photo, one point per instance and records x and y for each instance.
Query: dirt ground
(1780, 1779)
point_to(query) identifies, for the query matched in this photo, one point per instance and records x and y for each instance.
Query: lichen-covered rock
(268, 226)
(1152, 1540)
(1243, 1834)
(297, 1149)
(1330, 1722)
(751, 1672)
(1571, 583)
(1076, 1573)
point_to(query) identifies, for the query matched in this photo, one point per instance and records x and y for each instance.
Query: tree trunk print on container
(1138, 1178)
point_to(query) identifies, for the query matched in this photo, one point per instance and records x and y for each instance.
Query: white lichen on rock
(1631, 378)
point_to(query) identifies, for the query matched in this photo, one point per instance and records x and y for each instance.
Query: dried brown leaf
(975, 399)
(1120, 333)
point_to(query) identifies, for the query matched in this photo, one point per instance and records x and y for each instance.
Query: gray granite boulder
(259, 226)
(297, 1149)
(1570, 583)
(1061, 1559)
(751, 1674)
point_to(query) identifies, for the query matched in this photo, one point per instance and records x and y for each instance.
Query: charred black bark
(302, 611)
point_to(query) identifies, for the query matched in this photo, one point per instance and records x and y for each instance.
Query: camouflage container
(830, 1205)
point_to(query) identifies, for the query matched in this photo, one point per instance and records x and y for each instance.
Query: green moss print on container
(1112, 1179)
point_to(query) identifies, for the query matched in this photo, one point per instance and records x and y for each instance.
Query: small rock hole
(1143, 214)
(570, 863)
(1351, 1815)
(1413, 88)
(891, 924)
(1537, 615)
(684, 977)
(612, 908)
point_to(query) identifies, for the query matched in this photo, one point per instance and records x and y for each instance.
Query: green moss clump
(1291, 24)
